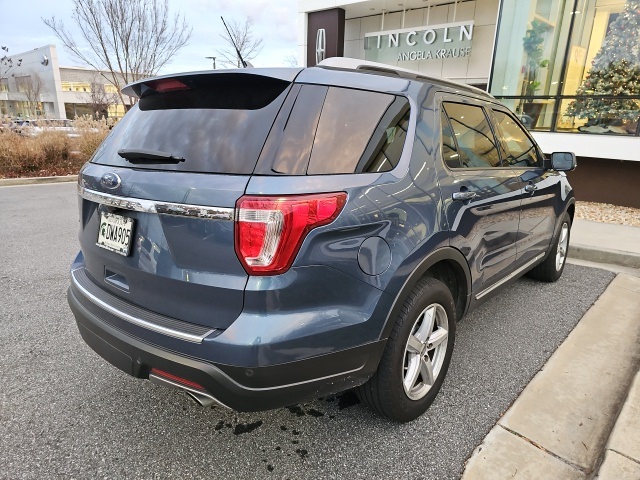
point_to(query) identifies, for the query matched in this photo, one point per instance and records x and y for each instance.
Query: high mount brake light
(270, 230)
(167, 85)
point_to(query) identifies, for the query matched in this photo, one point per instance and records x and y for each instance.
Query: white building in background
(63, 92)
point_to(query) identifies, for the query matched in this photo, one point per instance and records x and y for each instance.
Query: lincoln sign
(451, 40)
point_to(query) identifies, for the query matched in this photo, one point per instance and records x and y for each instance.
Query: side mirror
(563, 161)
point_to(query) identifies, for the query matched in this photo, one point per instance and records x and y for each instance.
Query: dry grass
(51, 153)
(92, 133)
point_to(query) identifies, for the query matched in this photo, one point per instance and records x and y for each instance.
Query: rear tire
(417, 355)
(551, 269)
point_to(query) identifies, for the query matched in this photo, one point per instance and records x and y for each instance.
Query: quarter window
(328, 130)
(517, 148)
(347, 122)
(474, 138)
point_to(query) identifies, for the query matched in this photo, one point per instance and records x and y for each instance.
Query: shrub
(47, 154)
(92, 133)
(51, 152)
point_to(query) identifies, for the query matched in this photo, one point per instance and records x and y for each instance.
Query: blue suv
(259, 237)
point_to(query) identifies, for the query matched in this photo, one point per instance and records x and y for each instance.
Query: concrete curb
(561, 424)
(604, 255)
(622, 453)
(5, 182)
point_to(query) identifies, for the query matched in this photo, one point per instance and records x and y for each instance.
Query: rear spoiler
(185, 81)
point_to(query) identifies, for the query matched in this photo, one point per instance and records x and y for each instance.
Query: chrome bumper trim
(189, 337)
(153, 206)
(508, 277)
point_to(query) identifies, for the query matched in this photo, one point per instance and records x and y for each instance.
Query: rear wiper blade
(148, 156)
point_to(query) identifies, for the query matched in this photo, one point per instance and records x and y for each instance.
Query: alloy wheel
(425, 351)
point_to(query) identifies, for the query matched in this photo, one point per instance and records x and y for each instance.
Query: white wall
(32, 64)
(595, 146)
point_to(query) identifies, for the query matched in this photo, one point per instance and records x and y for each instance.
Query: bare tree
(248, 46)
(6, 63)
(32, 86)
(291, 60)
(125, 40)
(99, 99)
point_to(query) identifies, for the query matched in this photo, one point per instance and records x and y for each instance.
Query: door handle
(464, 196)
(530, 188)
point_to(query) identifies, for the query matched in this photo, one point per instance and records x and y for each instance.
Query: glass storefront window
(527, 60)
(603, 70)
(570, 65)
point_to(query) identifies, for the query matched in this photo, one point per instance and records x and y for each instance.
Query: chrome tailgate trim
(154, 206)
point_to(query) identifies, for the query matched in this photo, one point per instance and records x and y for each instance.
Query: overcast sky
(275, 21)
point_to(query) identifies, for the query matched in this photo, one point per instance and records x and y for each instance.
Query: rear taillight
(270, 230)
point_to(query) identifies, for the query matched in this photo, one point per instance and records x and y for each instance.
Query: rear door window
(449, 149)
(333, 130)
(476, 144)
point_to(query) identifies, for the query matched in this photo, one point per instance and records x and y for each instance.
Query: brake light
(270, 230)
(165, 85)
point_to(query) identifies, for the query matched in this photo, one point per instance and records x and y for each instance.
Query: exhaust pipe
(201, 398)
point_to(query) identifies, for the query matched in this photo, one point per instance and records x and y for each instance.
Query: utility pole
(214, 61)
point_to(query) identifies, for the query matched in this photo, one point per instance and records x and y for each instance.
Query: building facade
(35, 86)
(569, 68)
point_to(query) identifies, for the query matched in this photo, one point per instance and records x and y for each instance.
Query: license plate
(115, 233)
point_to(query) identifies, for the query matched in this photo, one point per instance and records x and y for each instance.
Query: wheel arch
(445, 264)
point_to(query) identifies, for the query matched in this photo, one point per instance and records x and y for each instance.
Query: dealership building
(570, 69)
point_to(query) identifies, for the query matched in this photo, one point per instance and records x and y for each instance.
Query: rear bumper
(239, 387)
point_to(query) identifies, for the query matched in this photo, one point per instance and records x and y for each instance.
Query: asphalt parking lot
(66, 413)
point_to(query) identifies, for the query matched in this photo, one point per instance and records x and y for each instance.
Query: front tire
(417, 355)
(552, 267)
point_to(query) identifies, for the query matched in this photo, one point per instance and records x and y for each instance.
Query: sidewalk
(579, 418)
(605, 243)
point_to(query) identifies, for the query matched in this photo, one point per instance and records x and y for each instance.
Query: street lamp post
(214, 61)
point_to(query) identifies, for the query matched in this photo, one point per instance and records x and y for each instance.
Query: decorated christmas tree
(615, 71)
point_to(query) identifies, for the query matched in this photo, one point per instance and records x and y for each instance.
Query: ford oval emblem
(110, 180)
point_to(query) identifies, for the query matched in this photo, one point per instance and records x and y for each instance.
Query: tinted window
(218, 125)
(385, 147)
(347, 122)
(329, 130)
(476, 143)
(291, 139)
(517, 147)
(449, 150)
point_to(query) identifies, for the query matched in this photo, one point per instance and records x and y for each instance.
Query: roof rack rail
(357, 64)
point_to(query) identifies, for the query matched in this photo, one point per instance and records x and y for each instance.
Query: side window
(292, 147)
(348, 120)
(476, 143)
(449, 149)
(329, 130)
(517, 148)
(387, 142)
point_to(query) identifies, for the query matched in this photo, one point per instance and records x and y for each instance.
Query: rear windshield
(217, 124)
